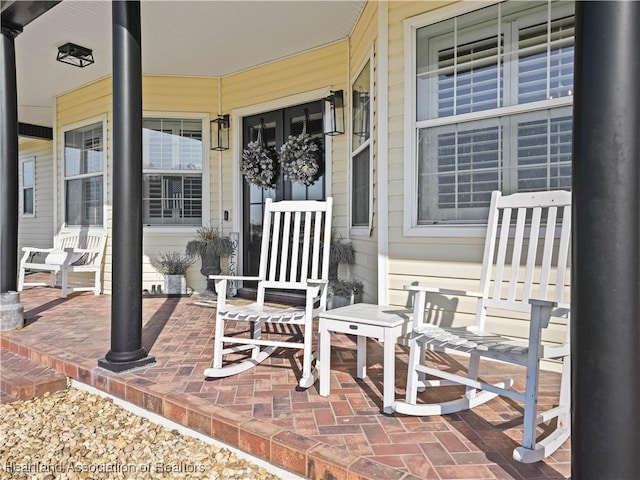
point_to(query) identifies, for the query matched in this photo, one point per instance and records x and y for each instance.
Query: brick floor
(342, 436)
(23, 379)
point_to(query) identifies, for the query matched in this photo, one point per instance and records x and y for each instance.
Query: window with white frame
(493, 92)
(84, 175)
(361, 148)
(28, 173)
(172, 165)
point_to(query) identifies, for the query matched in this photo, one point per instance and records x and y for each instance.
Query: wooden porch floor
(342, 436)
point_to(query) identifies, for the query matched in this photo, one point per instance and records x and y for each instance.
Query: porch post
(8, 160)
(606, 259)
(126, 302)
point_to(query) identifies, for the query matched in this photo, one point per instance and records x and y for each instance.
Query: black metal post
(606, 260)
(8, 160)
(126, 303)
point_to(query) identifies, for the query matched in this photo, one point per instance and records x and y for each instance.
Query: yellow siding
(180, 94)
(364, 35)
(320, 68)
(37, 230)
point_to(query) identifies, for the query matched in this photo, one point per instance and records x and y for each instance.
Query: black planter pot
(210, 266)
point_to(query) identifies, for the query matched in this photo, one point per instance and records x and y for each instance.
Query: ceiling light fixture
(75, 55)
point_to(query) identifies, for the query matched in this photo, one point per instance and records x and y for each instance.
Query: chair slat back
(91, 241)
(526, 250)
(295, 243)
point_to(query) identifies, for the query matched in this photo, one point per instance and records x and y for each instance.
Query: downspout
(382, 153)
(55, 159)
(220, 183)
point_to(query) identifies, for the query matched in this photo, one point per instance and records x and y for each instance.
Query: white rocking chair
(294, 255)
(532, 285)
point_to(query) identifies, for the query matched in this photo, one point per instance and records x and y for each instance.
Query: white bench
(75, 250)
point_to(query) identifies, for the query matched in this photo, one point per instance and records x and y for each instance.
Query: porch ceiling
(197, 38)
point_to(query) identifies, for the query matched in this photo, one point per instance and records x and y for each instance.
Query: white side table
(364, 320)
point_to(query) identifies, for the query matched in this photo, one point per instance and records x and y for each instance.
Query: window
(172, 155)
(28, 186)
(83, 175)
(361, 149)
(493, 92)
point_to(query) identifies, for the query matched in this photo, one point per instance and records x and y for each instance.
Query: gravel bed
(74, 434)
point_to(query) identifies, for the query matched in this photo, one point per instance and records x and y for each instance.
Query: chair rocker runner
(524, 272)
(294, 255)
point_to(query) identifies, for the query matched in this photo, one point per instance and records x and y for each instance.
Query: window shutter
(544, 154)
(193, 197)
(468, 77)
(536, 80)
(153, 195)
(468, 167)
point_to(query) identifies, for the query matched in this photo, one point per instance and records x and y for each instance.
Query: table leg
(389, 379)
(361, 360)
(324, 359)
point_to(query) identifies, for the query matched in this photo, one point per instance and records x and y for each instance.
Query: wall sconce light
(334, 120)
(220, 133)
(75, 55)
(361, 114)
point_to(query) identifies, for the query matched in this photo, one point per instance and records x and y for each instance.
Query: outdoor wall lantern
(334, 120)
(361, 114)
(75, 55)
(220, 133)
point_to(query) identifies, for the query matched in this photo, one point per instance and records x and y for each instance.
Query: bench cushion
(58, 257)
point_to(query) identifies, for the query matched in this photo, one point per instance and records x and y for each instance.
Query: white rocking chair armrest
(317, 281)
(443, 291)
(541, 311)
(543, 303)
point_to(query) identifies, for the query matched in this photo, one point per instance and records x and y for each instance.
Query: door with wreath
(264, 176)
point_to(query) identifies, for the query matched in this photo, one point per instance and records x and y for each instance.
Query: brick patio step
(22, 379)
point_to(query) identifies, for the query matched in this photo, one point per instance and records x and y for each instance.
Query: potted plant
(343, 292)
(173, 265)
(210, 245)
(340, 251)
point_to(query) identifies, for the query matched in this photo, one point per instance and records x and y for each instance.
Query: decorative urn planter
(210, 246)
(210, 266)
